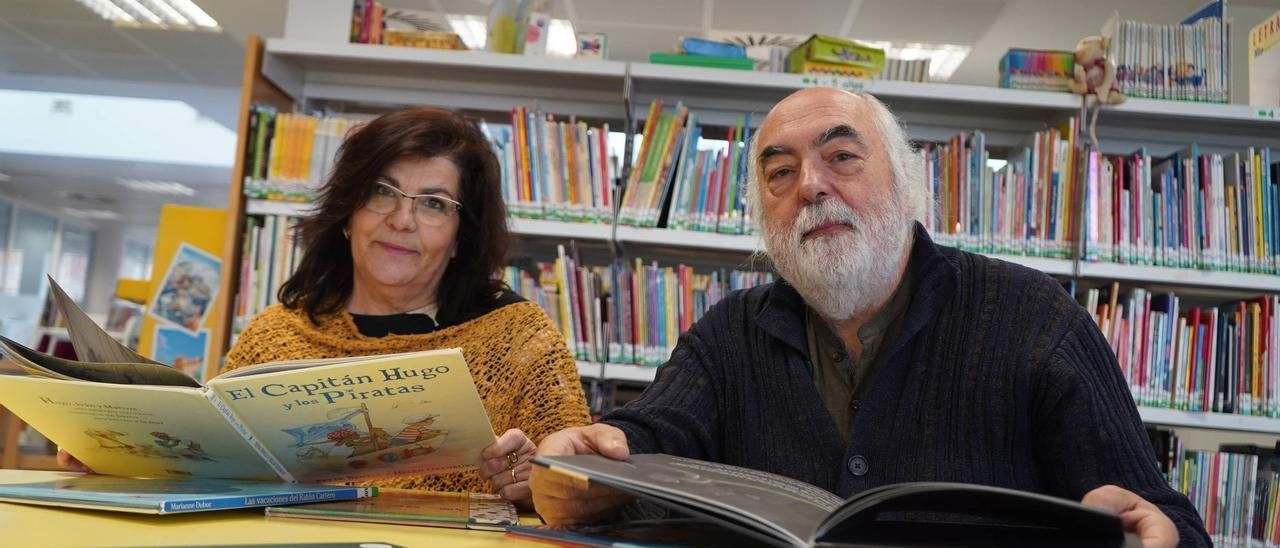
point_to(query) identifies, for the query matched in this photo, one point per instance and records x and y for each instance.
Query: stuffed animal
(1095, 75)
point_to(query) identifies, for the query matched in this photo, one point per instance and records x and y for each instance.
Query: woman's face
(398, 252)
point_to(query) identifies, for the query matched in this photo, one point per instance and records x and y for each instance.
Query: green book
(735, 63)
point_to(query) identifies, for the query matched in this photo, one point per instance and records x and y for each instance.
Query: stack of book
(1219, 359)
(1190, 210)
(558, 170)
(626, 313)
(1236, 490)
(288, 155)
(832, 56)
(1043, 70)
(915, 70)
(1187, 61)
(696, 52)
(1024, 208)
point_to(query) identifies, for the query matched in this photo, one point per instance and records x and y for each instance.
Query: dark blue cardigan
(996, 377)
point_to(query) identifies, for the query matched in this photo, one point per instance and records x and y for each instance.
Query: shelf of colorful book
(1180, 276)
(654, 78)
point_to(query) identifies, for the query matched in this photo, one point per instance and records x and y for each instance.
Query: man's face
(833, 223)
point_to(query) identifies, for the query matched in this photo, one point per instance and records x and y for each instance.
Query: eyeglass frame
(457, 206)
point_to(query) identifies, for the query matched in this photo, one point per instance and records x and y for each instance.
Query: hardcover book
(160, 496)
(409, 507)
(781, 511)
(333, 420)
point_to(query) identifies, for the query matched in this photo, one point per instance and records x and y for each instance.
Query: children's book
(331, 420)
(408, 507)
(160, 496)
(781, 511)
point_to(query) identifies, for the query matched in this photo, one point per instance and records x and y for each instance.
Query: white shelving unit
(1150, 415)
(325, 74)
(617, 372)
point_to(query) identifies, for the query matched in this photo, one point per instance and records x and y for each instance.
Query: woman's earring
(346, 234)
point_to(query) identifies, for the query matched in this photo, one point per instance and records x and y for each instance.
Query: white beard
(845, 274)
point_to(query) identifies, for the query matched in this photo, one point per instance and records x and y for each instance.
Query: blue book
(161, 496)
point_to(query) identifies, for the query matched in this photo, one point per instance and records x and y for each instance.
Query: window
(32, 254)
(74, 257)
(136, 262)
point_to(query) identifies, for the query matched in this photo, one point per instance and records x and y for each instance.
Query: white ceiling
(60, 45)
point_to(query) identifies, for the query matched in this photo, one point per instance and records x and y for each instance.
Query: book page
(92, 344)
(44, 365)
(783, 507)
(382, 416)
(124, 430)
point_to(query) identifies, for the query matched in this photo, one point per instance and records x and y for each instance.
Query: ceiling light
(95, 214)
(944, 59)
(161, 13)
(157, 187)
(474, 31)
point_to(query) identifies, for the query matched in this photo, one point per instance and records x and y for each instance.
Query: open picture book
(781, 511)
(334, 420)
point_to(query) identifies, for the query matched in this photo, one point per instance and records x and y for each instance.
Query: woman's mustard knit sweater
(523, 371)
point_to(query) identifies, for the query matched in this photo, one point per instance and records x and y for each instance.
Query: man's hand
(1139, 516)
(564, 500)
(68, 462)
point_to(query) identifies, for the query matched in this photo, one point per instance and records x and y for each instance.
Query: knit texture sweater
(525, 375)
(995, 377)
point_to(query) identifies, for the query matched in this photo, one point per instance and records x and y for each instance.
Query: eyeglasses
(430, 209)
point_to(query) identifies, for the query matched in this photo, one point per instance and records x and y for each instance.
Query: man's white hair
(909, 191)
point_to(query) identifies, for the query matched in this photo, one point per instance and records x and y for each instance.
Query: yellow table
(27, 525)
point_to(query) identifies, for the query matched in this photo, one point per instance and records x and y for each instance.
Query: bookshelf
(365, 78)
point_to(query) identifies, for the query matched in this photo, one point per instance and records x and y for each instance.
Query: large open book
(781, 511)
(332, 420)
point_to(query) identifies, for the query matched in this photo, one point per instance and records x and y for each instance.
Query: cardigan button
(858, 465)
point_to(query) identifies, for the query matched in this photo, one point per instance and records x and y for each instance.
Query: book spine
(248, 435)
(338, 493)
(252, 501)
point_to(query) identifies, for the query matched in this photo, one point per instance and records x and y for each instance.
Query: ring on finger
(513, 477)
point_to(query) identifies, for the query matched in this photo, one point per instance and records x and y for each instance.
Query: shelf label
(850, 84)
(1269, 114)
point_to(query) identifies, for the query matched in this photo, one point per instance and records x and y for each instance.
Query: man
(883, 358)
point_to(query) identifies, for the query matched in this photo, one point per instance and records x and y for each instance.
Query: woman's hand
(68, 462)
(506, 466)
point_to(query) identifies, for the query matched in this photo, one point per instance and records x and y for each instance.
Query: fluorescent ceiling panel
(113, 128)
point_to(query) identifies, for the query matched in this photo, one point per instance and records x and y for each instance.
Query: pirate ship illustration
(349, 439)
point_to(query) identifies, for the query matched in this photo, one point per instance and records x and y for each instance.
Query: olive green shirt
(840, 377)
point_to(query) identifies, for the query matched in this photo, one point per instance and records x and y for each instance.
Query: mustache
(824, 212)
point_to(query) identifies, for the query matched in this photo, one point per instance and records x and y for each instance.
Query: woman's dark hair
(323, 280)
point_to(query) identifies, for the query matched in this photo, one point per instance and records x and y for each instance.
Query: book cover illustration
(410, 507)
(353, 441)
(387, 416)
(160, 496)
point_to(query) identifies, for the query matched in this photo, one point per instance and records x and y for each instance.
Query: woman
(399, 257)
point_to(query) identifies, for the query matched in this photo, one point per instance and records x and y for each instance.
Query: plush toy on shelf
(1095, 77)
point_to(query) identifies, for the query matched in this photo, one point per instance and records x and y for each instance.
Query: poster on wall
(188, 288)
(179, 349)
